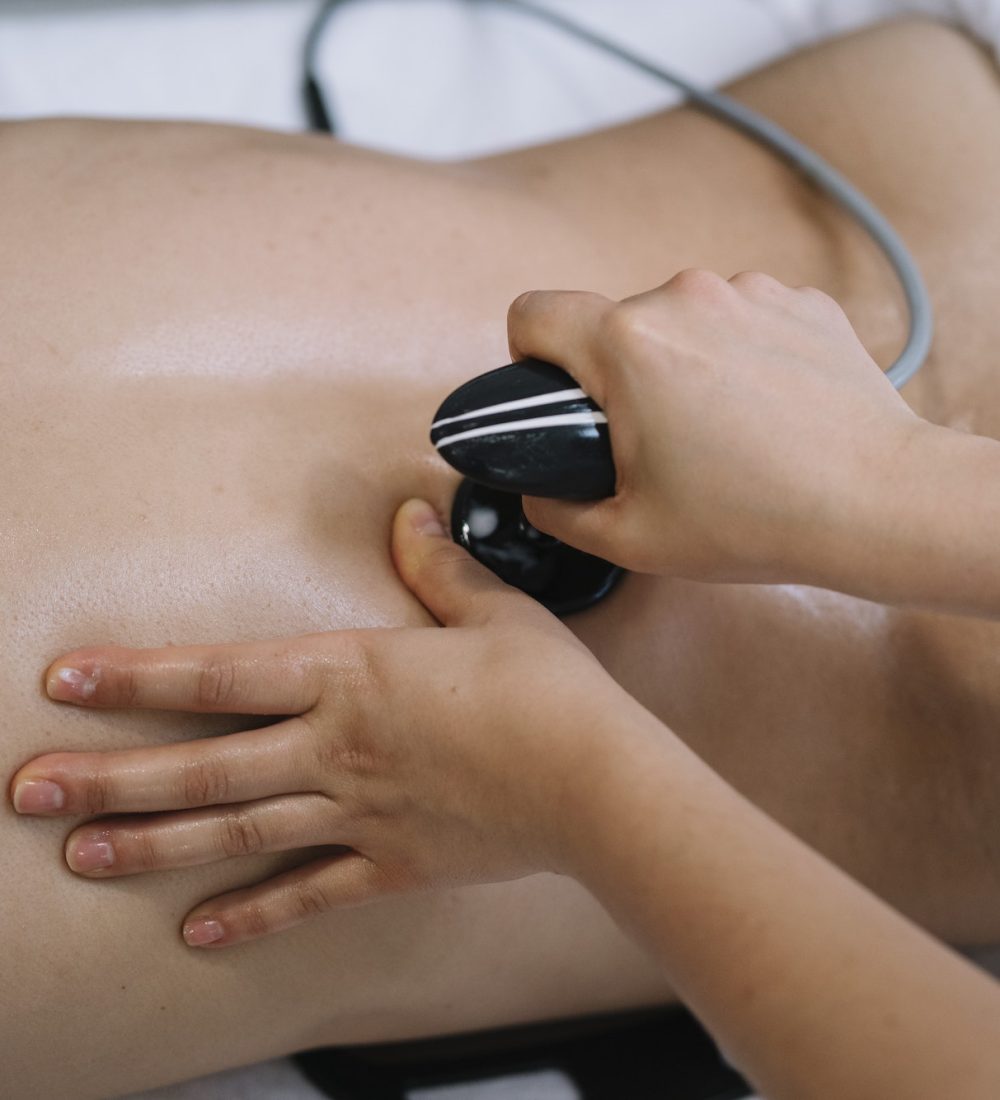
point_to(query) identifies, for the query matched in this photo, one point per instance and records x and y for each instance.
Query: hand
(750, 428)
(435, 757)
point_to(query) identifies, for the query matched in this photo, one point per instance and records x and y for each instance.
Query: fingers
(233, 768)
(129, 846)
(562, 327)
(451, 584)
(273, 677)
(334, 882)
(583, 525)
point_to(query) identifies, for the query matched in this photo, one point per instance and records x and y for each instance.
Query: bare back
(222, 350)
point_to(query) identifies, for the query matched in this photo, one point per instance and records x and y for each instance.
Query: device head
(527, 428)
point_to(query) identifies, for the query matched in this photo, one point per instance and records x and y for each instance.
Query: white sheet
(425, 77)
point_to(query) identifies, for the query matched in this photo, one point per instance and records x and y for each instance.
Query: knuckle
(343, 748)
(372, 881)
(96, 793)
(821, 302)
(755, 282)
(361, 761)
(240, 834)
(309, 899)
(357, 665)
(697, 282)
(522, 304)
(355, 763)
(143, 850)
(624, 325)
(306, 671)
(204, 781)
(449, 566)
(216, 687)
(119, 685)
(357, 649)
(349, 756)
(447, 560)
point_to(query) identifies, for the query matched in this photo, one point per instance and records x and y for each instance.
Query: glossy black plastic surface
(636, 1054)
(490, 524)
(527, 428)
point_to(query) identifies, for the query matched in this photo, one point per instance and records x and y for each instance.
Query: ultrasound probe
(528, 429)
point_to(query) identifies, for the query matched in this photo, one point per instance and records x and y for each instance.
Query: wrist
(944, 521)
(874, 510)
(919, 527)
(634, 767)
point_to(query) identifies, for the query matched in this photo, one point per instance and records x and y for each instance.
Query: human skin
(377, 754)
(755, 440)
(223, 351)
(753, 435)
(750, 429)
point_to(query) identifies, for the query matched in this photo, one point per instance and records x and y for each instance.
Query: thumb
(585, 525)
(455, 588)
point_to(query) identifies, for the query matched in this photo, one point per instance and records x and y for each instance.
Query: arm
(493, 749)
(813, 987)
(930, 536)
(756, 440)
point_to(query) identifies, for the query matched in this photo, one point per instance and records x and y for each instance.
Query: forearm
(813, 987)
(923, 533)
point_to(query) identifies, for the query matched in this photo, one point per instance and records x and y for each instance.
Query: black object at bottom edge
(649, 1054)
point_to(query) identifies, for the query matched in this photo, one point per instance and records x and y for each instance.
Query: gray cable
(810, 164)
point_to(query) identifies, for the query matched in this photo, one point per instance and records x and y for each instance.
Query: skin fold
(222, 351)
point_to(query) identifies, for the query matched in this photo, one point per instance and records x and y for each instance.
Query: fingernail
(70, 683)
(90, 855)
(423, 519)
(38, 796)
(201, 931)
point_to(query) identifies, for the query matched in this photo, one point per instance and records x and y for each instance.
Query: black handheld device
(527, 429)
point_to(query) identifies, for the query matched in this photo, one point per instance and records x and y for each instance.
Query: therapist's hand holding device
(750, 429)
(716, 430)
(755, 440)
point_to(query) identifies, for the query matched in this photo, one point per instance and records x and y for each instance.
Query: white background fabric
(442, 78)
(428, 77)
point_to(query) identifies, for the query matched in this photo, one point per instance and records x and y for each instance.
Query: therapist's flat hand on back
(425, 757)
(746, 420)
